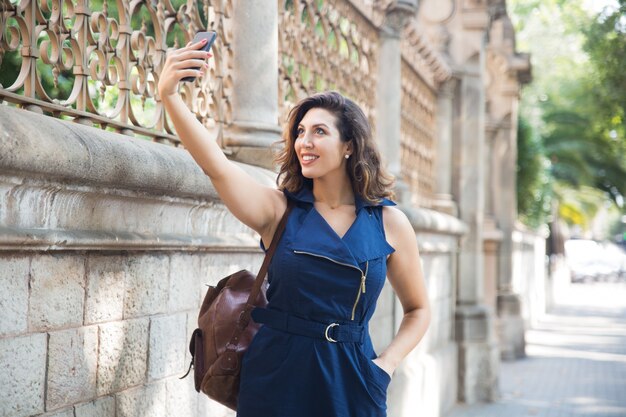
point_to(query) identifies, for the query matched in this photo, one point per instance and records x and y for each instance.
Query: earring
(347, 156)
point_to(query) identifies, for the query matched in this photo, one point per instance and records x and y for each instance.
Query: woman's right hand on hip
(189, 61)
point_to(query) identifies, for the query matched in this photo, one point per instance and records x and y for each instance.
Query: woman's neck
(333, 193)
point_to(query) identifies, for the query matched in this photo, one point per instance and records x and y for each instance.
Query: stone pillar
(389, 89)
(445, 101)
(504, 98)
(478, 353)
(492, 235)
(255, 76)
(510, 321)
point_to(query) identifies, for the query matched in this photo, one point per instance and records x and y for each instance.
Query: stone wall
(530, 276)
(105, 262)
(425, 384)
(104, 333)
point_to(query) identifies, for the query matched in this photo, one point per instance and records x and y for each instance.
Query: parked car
(591, 261)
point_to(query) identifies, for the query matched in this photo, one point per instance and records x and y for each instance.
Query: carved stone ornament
(437, 11)
(398, 14)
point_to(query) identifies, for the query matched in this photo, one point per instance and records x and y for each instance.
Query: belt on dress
(332, 332)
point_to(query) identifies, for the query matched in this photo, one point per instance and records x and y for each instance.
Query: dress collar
(364, 239)
(305, 194)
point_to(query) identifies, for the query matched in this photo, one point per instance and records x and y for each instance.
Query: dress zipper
(361, 289)
(363, 276)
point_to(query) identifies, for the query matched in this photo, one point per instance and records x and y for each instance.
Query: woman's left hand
(380, 362)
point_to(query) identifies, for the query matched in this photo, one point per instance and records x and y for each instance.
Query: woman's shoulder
(397, 225)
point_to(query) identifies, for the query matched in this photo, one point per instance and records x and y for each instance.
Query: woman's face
(318, 144)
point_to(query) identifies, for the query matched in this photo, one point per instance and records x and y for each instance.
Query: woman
(313, 356)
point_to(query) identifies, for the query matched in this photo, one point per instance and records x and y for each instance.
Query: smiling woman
(333, 124)
(313, 355)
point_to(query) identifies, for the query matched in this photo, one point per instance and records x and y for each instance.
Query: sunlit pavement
(576, 364)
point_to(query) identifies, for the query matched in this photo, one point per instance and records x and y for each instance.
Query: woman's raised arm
(234, 186)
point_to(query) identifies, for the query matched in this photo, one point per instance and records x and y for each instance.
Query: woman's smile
(308, 159)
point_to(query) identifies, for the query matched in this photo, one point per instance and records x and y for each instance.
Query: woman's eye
(320, 131)
(299, 131)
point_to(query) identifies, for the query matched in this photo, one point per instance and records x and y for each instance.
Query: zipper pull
(364, 276)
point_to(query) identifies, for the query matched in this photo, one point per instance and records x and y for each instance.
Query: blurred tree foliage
(572, 139)
(533, 203)
(606, 46)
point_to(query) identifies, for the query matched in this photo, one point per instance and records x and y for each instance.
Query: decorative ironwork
(418, 129)
(326, 45)
(98, 61)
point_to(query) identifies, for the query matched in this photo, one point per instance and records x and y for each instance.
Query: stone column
(445, 101)
(255, 76)
(389, 90)
(478, 353)
(510, 322)
(492, 235)
(504, 99)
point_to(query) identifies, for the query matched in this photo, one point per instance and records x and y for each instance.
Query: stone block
(67, 412)
(102, 407)
(184, 277)
(510, 331)
(208, 407)
(105, 288)
(23, 376)
(217, 266)
(57, 291)
(385, 302)
(14, 294)
(478, 372)
(473, 323)
(192, 324)
(72, 362)
(122, 355)
(381, 332)
(146, 286)
(182, 398)
(168, 341)
(145, 401)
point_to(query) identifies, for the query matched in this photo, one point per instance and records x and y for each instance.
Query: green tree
(575, 106)
(533, 181)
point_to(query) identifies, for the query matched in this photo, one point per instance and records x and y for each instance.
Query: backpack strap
(258, 282)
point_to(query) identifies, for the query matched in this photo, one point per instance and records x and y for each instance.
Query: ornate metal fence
(97, 62)
(421, 74)
(327, 45)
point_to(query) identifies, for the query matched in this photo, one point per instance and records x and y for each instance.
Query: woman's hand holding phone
(185, 64)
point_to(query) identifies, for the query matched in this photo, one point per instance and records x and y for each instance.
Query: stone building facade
(107, 240)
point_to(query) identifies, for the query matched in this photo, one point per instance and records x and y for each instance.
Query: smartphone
(210, 36)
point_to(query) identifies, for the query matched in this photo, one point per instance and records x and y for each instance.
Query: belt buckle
(331, 325)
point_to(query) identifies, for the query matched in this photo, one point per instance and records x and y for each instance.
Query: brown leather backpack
(224, 329)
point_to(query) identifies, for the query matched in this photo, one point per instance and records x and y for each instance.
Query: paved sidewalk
(576, 364)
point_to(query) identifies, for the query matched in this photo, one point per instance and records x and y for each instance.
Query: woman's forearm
(195, 137)
(412, 329)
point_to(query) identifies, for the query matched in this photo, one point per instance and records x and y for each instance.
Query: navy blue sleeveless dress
(313, 355)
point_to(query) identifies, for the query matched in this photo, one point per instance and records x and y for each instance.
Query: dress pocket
(385, 377)
(378, 379)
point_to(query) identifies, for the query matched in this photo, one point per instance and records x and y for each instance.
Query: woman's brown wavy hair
(368, 177)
